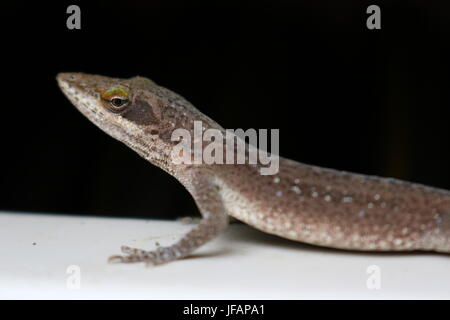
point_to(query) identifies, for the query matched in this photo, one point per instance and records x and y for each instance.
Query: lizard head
(135, 111)
(131, 104)
(130, 110)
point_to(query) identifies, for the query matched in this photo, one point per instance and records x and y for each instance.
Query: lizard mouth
(88, 103)
(85, 103)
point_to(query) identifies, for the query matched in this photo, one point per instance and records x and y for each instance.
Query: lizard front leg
(214, 221)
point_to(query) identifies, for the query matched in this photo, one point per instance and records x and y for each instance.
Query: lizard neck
(158, 148)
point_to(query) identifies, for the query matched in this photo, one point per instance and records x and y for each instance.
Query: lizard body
(301, 202)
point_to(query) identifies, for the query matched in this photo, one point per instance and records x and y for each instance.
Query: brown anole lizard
(301, 202)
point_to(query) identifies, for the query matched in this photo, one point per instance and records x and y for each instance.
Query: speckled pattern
(302, 202)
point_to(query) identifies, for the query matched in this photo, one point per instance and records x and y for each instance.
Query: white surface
(242, 264)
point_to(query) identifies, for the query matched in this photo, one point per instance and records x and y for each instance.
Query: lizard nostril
(66, 77)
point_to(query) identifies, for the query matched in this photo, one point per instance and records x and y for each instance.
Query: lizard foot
(154, 257)
(189, 220)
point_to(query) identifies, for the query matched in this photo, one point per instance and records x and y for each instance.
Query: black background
(343, 96)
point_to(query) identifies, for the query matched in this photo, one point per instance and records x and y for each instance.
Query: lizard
(301, 202)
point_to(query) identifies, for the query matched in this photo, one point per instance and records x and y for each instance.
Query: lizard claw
(126, 249)
(133, 251)
(126, 259)
(116, 259)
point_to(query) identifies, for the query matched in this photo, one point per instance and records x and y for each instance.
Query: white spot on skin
(405, 230)
(292, 234)
(383, 204)
(377, 197)
(362, 213)
(437, 218)
(253, 218)
(383, 244)
(296, 189)
(276, 180)
(370, 205)
(327, 198)
(347, 199)
(279, 193)
(297, 181)
(314, 194)
(398, 242)
(409, 245)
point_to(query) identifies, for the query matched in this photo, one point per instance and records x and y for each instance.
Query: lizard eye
(116, 99)
(118, 103)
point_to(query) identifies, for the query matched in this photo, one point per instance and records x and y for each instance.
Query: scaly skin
(304, 203)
